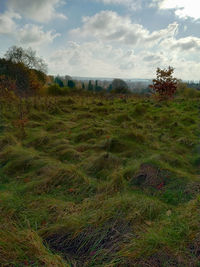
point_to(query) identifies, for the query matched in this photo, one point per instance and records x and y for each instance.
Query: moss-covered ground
(95, 181)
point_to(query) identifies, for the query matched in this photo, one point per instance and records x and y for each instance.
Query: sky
(106, 38)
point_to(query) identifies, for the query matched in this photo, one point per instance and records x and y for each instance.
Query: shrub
(184, 91)
(119, 86)
(164, 85)
(192, 93)
(56, 90)
(7, 86)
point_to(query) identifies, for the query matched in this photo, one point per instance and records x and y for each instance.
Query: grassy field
(90, 181)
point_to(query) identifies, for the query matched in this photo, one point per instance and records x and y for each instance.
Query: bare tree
(27, 57)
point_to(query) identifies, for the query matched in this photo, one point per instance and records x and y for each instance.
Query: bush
(56, 90)
(119, 86)
(191, 93)
(164, 86)
(7, 86)
(183, 90)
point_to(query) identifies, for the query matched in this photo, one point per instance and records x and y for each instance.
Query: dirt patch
(193, 189)
(150, 176)
(159, 259)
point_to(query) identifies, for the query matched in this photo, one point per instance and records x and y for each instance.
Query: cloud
(187, 44)
(152, 58)
(30, 34)
(93, 58)
(38, 10)
(183, 8)
(98, 59)
(35, 35)
(133, 4)
(109, 26)
(169, 32)
(110, 45)
(7, 23)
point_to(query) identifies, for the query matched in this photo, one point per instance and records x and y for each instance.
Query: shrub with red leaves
(164, 85)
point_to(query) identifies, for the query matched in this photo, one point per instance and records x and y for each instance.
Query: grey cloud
(151, 58)
(187, 43)
(7, 22)
(109, 26)
(35, 35)
(133, 4)
(38, 10)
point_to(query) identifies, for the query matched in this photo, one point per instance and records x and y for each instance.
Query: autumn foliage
(7, 86)
(164, 86)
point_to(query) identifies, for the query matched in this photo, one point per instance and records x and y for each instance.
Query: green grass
(93, 182)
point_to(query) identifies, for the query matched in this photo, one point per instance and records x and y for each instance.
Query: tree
(97, 87)
(90, 86)
(96, 84)
(119, 86)
(66, 79)
(59, 81)
(41, 76)
(71, 84)
(109, 89)
(17, 72)
(164, 85)
(27, 57)
(27, 81)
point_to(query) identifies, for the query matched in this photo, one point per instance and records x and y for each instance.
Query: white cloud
(109, 45)
(35, 35)
(38, 10)
(109, 26)
(7, 23)
(183, 8)
(98, 59)
(93, 58)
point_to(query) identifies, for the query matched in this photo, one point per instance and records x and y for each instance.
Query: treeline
(22, 73)
(66, 83)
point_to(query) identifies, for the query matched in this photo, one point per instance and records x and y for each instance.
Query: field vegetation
(90, 180)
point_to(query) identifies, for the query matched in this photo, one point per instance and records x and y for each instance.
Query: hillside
(93, 181)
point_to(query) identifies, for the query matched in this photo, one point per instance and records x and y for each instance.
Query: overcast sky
(106, 38)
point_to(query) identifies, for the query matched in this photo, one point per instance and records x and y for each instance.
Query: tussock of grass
(26, 248)
(102, 164)
(17, 160)
(7, 140)
(60, 176)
